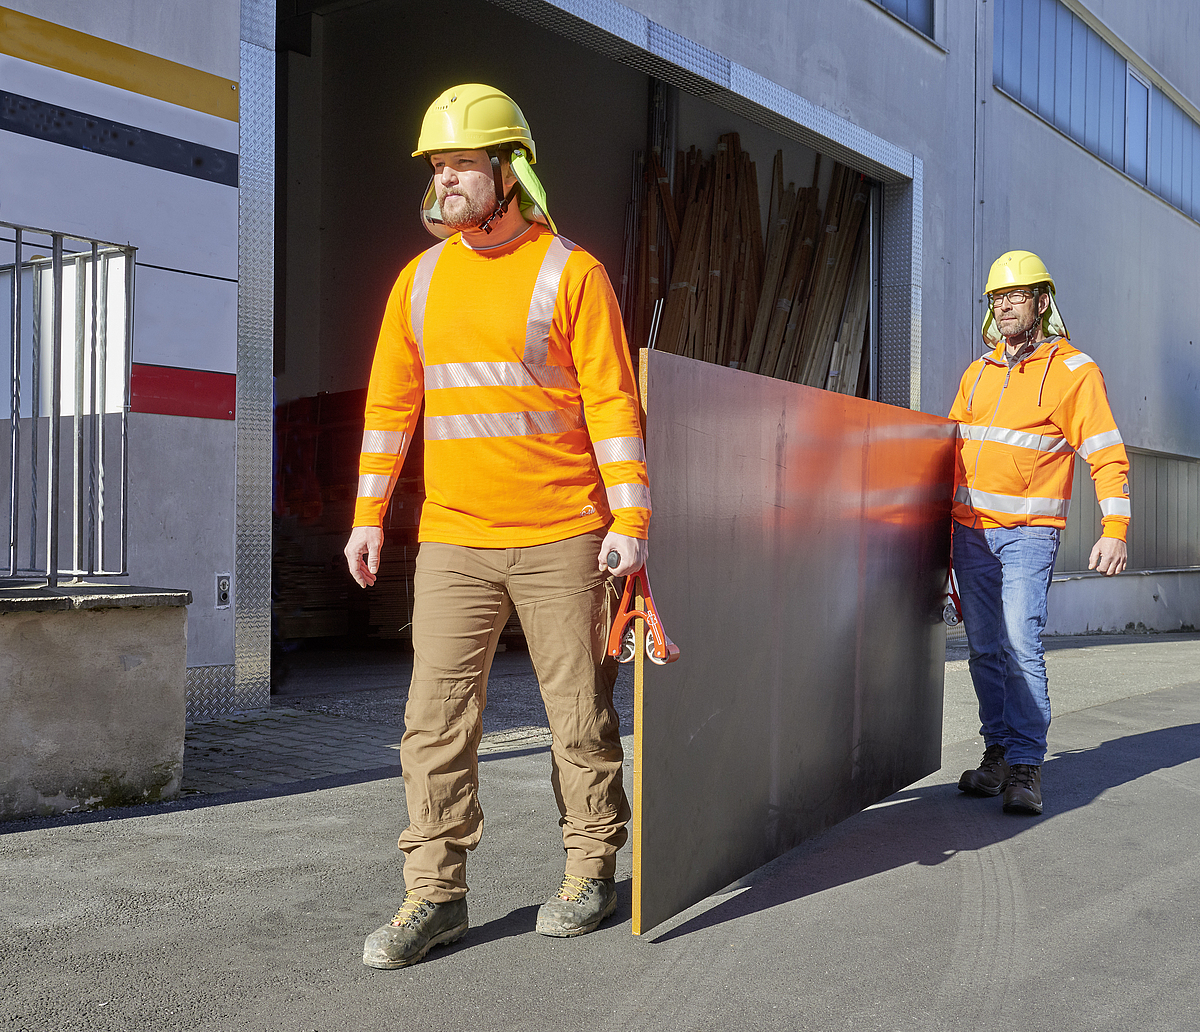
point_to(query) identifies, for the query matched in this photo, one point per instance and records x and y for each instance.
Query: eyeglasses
(1016, 297)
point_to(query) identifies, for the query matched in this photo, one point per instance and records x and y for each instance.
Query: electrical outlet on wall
(224, 595)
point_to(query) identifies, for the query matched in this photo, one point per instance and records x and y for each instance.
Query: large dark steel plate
(798, 555)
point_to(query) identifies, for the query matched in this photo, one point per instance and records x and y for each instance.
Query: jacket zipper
(983, 440)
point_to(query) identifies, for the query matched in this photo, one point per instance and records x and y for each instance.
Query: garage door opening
(352, 91)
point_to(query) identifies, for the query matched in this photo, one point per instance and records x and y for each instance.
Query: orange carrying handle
(622, 641)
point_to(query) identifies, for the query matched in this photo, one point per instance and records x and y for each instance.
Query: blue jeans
(1003, 579)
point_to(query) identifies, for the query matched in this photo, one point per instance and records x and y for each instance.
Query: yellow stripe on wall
(55, 46)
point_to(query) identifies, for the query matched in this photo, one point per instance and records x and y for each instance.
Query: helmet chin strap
(1021, 339)
(502, 200)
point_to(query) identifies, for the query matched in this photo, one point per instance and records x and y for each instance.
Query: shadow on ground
(930, 825)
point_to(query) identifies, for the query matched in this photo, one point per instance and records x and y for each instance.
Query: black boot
(1024, 791)
(990, 777)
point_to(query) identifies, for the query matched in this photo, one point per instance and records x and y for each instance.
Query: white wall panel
(185, 320)
(98, 98)
(181, 520)
(198, 33)
(175, 221)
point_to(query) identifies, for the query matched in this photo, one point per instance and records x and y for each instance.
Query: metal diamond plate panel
(615, 19)
(210, 691)
(256, 233)
(684, 53)
(900, 295)
(258, 23)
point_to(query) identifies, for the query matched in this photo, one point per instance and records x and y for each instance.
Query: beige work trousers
(462, 599)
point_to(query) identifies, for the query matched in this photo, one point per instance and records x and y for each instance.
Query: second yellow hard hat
(1017, 269)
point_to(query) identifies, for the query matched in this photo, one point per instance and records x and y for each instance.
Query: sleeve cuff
(1115, 527)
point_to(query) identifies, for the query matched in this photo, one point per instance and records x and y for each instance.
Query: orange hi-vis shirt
(1018, 431)
(532, 431)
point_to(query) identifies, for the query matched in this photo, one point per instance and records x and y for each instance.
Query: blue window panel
(998, 27)
(918, 13)
(1091, 125)
(1120, 73)
(1154, 171)
(1167, 148)
(1176, 197)
(1055, 65)
(1078, 79)
(1136, 128)
(1113, 77)
(1062, 69)
(1047, 21)
(1104, 142)
(1195, 172)
(1187, 163)
(1030, 30)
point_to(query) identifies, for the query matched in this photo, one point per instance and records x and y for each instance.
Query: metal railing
(70, 321)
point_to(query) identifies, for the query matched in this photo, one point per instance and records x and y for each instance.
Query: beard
(468, 214)
(1022, 324)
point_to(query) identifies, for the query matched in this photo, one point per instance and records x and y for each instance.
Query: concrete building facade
(1071, 129)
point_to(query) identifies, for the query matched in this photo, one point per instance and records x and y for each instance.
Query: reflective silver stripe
(1116, 507)
(1012, 505)
(497, 374)
(554, 376)
(384, 442)
(1094, 444)
(628, 496)
(375, 485)
(501, 424)
(1075, 361)
(620, 449)
(420, 293)
(541, 305)
(1051, 444)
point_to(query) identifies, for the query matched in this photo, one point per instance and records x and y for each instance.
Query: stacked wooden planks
(796, 308)
(717, 271)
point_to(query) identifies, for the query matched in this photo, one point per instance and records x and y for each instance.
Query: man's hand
(1109, 556)
(632, 551)
(364, 541)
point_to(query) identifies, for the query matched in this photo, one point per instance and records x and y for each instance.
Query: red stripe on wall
(168, 391)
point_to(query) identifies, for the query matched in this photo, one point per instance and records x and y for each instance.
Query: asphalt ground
(244, 904)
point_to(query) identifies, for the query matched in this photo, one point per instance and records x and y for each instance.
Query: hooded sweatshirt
(1019, 429)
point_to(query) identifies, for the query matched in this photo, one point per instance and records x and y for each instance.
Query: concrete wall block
(1137, 602)
(93, 708)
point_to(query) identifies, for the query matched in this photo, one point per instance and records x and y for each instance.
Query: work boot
(991, 775)
(578, 907)
(418, 925)
(1024, 791)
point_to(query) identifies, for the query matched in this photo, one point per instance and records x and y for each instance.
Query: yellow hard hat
(473, 117)
(1017, 269)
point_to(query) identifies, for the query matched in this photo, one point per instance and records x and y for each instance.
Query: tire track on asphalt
(990, 954)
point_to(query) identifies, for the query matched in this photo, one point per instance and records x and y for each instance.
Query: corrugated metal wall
(1164, 533)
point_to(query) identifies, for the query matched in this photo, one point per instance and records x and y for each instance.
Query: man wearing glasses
(1024, 410)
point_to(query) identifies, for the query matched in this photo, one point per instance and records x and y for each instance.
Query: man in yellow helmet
(535, 474)
(1024, 410)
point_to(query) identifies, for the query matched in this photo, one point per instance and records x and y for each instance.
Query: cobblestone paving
(281, 746)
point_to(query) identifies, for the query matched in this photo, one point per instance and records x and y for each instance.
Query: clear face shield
(531, 198)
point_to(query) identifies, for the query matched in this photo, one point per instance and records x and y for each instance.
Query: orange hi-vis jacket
(532, 431)
(1018, 431)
